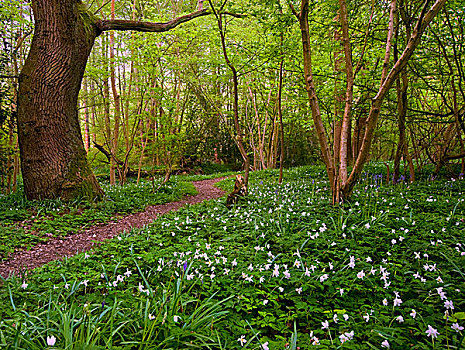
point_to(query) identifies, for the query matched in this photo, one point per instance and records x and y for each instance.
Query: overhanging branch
(235, 15)
(117, 24)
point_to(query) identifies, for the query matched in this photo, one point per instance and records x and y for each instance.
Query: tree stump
(240, 190)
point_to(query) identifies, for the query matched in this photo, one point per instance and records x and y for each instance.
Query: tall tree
(342, 183)
(53, 158)
(402, 103)
(219, 14)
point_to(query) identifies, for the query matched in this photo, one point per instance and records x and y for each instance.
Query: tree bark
(387, 79)
(239, 137)
(86, 116)
(343, 148)
(402, 105)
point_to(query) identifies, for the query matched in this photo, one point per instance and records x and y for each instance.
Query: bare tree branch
(235, 15)
(117, 24)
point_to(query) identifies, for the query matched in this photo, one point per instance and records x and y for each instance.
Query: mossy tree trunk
(53, 157)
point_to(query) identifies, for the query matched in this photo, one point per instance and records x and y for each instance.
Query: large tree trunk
(53, 158)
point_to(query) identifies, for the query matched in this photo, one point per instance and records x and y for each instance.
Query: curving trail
(59, 247)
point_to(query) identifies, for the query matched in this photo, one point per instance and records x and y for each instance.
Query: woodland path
(59, 247)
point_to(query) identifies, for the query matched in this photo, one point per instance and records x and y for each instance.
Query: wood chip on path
(56, 248)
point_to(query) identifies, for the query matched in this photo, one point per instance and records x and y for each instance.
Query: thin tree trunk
(13, 159)
(346, 119)
(280, 114)
(116, 102)
(93, 116)
(402, 147)
(387, 79)
(144, 141)
(266, 145)
(402, 105)
(10, 159)
(129, 89)
(444, 148)
(260, 151)
(457, 116)
(239, 137)
(359, 131)
(86, 116)
(16, 167)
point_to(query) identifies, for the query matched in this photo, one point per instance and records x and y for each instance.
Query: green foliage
(146, 321)
(14, 34)
(283, 265)
(25, 223)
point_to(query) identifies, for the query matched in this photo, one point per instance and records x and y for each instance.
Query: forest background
(250, 84)
(166, 101)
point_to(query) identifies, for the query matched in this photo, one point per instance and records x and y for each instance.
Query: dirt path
(57, 248)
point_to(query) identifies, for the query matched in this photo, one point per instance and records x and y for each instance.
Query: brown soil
(57, 248)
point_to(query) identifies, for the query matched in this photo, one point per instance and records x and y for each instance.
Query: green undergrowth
(24, 223)
(282, 270)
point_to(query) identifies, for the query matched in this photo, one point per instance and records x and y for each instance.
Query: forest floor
(60, 247)
(380, 272)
